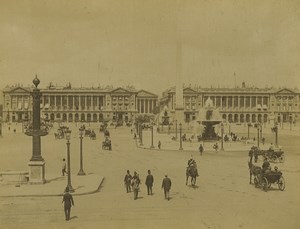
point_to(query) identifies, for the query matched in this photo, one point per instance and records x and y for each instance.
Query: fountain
(208, 117)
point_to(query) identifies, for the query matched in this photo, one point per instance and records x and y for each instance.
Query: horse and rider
(192, 171)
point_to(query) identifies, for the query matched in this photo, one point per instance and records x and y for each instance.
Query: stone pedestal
(36, 172)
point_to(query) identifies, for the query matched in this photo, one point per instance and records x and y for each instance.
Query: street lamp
(261, 126)
(176, 129)
(81, 172)
(249, 125)
(0, 126)
(141, 135)
(275, 129)
(68, 135)
(257, 125)
(152, 146)
(222, 136)
(180, 129)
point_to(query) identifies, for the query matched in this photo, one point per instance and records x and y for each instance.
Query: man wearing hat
(149, 182)
(127, 181)
(166, 185)
(68, 202)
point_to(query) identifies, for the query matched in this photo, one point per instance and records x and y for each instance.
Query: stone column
(221, 102)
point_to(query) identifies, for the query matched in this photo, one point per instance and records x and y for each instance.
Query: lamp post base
(71, 189)
(180, 148)
(37, 172)
(81, 173)
(152, 147)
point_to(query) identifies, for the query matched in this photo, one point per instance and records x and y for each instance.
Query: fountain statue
(208, 118)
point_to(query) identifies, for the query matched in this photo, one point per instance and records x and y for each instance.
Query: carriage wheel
(265, 184)
(282, 158)
(281, 183)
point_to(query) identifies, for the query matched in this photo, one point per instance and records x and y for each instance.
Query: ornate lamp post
(36, 163)
(152, 146)
(249, 125)
(261, 127)
(222, 136)
(141, 135)
(176, 129)
(257, 125)
(0, 126)
(68, 135)
(275, 129)
(180, 130)
(81, 172)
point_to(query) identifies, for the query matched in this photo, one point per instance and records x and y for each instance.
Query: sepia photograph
(139, 114)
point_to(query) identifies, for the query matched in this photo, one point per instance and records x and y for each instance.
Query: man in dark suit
(68, 202)
(127, 181)
(166, 185)
(149, 182)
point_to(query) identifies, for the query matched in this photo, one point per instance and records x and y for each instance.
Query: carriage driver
(266, 167)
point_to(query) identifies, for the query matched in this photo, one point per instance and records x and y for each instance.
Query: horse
(191, 172)
(253, 169)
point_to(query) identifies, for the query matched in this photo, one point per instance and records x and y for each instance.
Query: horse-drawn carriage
(103, 127)
(265, 180)
(93, 135)
(60, 134)
(106, 133)
(106, 144)
(273, 155)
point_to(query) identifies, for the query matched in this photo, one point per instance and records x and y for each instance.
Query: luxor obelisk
(179, 109)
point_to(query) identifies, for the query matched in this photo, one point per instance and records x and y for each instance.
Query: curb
(61, 194)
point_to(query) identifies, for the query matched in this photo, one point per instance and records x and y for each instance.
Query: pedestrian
(127, 181)
(14, 130)
(201, 149)
(136, 185)
(166, 185)
(64, 167)
(149, 182)
(68, 202)
(159, 144)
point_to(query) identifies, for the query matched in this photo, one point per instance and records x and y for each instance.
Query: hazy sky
(120, 42)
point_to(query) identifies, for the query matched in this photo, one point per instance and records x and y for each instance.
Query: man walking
(159, 144)
(166, 185)
(68, 202)
(127, 181)
(136, 185)
(64, 167)
(149, 182)
(201, 149)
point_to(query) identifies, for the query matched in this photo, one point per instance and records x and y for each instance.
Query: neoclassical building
(239, 104)
(78, 104)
